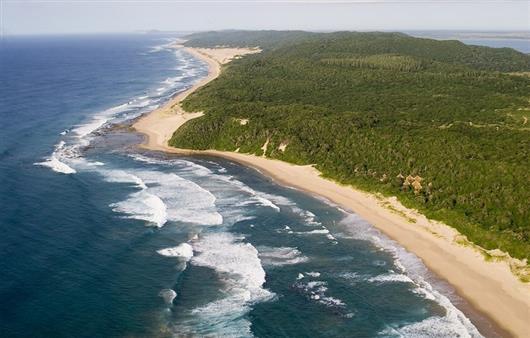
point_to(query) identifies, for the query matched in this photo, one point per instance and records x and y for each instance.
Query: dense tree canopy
(439, 124)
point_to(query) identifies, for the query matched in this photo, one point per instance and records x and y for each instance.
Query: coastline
(489, 286)
(162, 122)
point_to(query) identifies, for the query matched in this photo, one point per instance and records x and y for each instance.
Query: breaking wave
(316, 290)
(67, 156)
(184, 251)
(54, 162)
(271, 256)
(168, 295)
(239, 267)
(412, 270)
(164, 197)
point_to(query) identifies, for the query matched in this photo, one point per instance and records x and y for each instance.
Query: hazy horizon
(157, 31)
(43, 17)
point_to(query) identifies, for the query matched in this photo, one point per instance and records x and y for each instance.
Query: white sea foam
(411, 269)
(98, 120)
(229, 255)
(391, 278)
(308, 217)
(192, 167)
(68, 159)
(222, 318)
(121, 176)
(331, 237)
(320, 284)
(280, 256)
(256, 197)
(317, 231)
(157, 49)
(143, 206)
(147, 159)
(184, 251)
(173, 80)
(277, 199)
(258, 200)
(332, 302)
(285, 229)
(163, 197)
(241, 218)
(315, 274)
(139, 205)
(163, 47)
(54, 161)
(186, 200)
(322, 231)
(316, 290)
(455, 323)
(184, 166)
(239, 267)
(57, 165)
(435, 327)
(168, 295)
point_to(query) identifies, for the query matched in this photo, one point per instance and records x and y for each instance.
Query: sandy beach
(160, 124)
(489, 286)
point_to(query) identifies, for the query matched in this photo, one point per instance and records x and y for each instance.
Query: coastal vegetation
(439, 124)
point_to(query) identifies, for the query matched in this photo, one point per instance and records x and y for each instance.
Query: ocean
(102, 239)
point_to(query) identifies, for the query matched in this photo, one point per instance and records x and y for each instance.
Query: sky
(100, 16)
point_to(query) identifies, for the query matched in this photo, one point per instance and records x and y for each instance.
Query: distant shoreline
(490, 287)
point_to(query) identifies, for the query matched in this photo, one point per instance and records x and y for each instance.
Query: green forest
(439, 124)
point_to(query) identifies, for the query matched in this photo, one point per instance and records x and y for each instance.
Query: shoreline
(490, 287)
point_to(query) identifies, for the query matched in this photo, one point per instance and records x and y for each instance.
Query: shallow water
(101, 239)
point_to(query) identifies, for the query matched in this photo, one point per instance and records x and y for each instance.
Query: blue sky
(98, 16)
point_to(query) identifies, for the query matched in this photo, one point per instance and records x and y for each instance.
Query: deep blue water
(100, 239)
